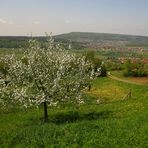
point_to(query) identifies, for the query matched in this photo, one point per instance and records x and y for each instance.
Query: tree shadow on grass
(73, 116)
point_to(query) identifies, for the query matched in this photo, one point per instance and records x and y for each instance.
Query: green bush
(135, 69)
(103, 71)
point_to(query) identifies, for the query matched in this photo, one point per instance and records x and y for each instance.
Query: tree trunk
(89, 87)
(45, 112)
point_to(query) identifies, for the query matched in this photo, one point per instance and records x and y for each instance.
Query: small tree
(96, 63)
(103, 70)
(128, 68)
(90, 55)
(45, 75)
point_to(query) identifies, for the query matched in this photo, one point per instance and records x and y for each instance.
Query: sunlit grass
(114, 123)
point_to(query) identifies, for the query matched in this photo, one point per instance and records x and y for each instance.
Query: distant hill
(80, 40)
(105, 38)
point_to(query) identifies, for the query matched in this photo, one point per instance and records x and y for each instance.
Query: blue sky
(21, 17)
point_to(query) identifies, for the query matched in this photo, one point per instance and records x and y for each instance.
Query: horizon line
(73, 32)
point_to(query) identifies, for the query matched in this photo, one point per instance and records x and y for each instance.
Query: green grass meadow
(113, 123)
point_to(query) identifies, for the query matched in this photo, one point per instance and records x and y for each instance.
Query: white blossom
(49, 74)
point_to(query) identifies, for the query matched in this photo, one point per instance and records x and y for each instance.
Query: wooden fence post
(130, 93)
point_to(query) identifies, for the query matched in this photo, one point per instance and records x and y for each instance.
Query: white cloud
(3, 21)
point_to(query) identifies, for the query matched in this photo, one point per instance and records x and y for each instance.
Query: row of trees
(12, 42)
(136, 69)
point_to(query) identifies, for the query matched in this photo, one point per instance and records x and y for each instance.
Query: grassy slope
(113, 123)
(88, 36)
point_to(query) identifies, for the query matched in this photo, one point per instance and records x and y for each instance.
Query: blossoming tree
(44, 75)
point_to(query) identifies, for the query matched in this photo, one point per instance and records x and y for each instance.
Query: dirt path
(123, 80)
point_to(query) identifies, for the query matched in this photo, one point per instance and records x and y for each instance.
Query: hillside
(113, 122)
(105, 38)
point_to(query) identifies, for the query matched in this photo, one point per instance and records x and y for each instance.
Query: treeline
(22, 41)
(17, 41)
(135, 69)
(13, 42)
